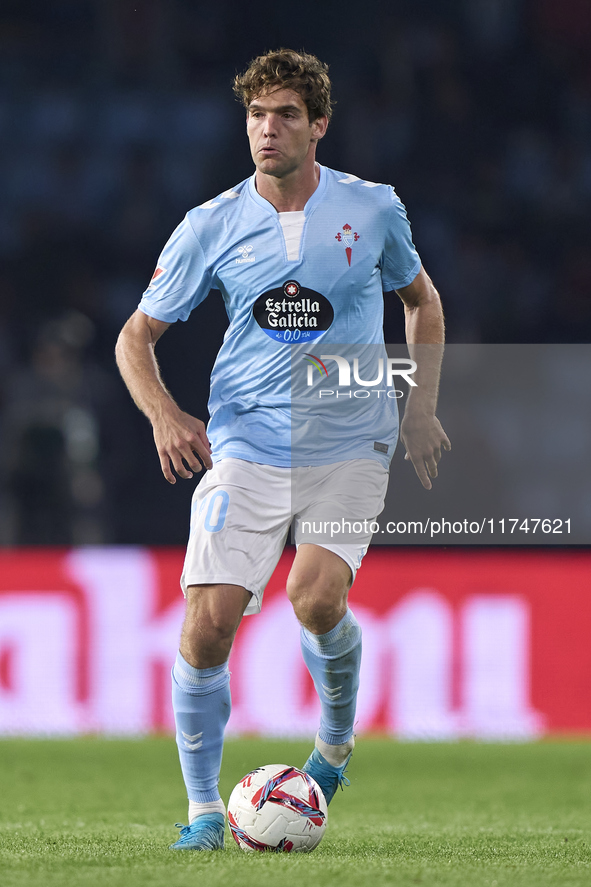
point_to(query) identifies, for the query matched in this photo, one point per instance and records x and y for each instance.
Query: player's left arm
(421, 431)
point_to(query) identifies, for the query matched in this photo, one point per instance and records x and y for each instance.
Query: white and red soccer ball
(277, 808)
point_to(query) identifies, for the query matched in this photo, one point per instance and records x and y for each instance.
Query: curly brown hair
(288, 69)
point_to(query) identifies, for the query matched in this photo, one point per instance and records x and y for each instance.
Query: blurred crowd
(116, 116)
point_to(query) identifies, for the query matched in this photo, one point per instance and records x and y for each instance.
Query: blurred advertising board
(457, 643)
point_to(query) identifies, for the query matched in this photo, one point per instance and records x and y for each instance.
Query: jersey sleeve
(400, 260)
(181, 280)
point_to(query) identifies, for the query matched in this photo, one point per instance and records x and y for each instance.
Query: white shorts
(241, 513)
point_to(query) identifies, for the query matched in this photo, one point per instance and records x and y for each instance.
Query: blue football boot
(206, 832)
(329, 778)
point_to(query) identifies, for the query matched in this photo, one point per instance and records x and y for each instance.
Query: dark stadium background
(118, 116)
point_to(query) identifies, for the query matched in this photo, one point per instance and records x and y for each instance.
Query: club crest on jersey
(157, 275)
(348, 237)
(245, 254)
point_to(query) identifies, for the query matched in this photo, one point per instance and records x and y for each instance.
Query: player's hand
(181, 441)
(424, 440)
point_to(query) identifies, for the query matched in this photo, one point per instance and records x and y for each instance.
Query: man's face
(279, 132)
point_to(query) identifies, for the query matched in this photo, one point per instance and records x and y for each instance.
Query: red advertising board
(456, 643)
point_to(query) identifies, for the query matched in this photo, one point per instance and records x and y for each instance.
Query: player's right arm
(179, 437)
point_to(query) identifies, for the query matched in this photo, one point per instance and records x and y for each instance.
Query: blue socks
(333, 660)
(201, 703)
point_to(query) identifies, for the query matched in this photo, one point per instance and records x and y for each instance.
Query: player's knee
(208, 644)
(210, 624)
(212, 627)
(315, 587)
(318, 606)
(319, 616)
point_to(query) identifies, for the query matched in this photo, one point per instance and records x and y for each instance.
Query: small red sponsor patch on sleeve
(157, 273)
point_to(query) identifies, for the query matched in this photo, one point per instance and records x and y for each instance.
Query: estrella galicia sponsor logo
(293, 313)
(245, 254)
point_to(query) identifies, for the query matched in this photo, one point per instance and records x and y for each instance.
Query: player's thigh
(320, 575)
(318, 569)
(240, 516)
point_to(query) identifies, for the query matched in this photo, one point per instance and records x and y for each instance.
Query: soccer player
(301, 254)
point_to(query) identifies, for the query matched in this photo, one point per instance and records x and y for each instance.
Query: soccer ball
(277, 808)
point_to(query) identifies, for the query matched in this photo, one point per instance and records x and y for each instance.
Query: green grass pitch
(92, 812)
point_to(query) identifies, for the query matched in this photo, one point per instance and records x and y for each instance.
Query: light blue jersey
(295, 286)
